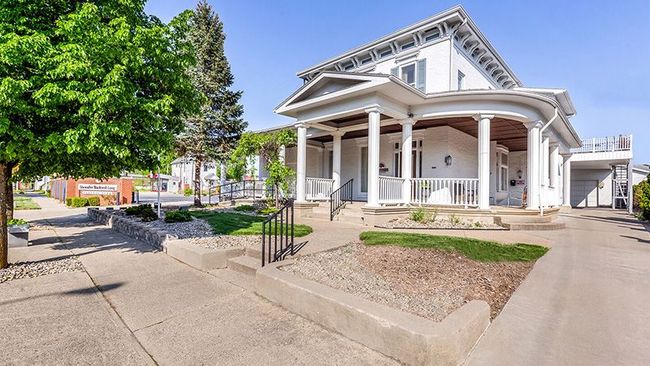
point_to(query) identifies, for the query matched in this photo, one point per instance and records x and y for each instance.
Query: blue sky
(598, 50)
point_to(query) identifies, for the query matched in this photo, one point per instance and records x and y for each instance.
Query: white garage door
(584, 193)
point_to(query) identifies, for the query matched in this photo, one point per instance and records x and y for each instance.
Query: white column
(407, 147)
(483, 160)
(282, 153)
(336, 160)
(301, 162)
(222, 173)
(533, 165)
(566, 181)
(630, 182)
(374, 115)
(554, 162)
(545, 165)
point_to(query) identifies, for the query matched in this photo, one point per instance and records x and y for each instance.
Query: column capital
(479, 116)
(300, 124)
(566, 155)
(337, 133)
(377, 109)
(533, 124)
(407, 121)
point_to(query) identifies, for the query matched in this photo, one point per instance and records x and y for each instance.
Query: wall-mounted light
(519, 173)
(448, 160)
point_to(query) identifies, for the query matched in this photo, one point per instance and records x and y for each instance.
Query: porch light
(519, 173)
(448, 160)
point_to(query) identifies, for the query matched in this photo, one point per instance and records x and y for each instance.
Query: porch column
(336, 160)
(533, 165)
(630, 185)
(301, 162)
(483, 160)
(407, 143)
(374, 115)
(282, 153)
(545, 179)
(566, 180)
(555, 177)
(222, 173)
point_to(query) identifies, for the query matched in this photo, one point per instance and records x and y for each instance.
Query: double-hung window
(407, 74)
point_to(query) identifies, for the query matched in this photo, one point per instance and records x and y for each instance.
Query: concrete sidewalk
(147, 307)
(584, 303)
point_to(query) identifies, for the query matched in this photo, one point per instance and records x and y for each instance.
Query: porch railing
(340, 197)
(243, 189)
(318, 188)
(445, 191)
(605, 144)
(390, 189)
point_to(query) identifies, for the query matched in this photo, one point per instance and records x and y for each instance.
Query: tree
(213, 132)
(267, 146)
(642, 198)
(87, 89)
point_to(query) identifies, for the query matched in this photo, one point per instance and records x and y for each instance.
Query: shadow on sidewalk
(76, 292)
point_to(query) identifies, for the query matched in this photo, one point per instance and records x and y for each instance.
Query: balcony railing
(318, 188)
(605, 144)
(390, 189)
(445, 191)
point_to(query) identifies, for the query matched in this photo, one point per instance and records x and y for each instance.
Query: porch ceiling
(512, 134)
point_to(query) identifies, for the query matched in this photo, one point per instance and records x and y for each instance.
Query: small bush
(68, 201)
(267, 211)
(455, 220)
(418, 215)
(244, 208)
(93, 201)
(187, 192)
(21, 191)
(478, 224)
(137, 210)
(17, 222)
(642, 199)
(148, 215)
(48, 194)
(178, 216)
(79, 202)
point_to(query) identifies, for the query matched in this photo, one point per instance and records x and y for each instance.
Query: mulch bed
(430, 283)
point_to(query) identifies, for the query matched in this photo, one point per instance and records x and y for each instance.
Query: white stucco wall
(604, 178)
(315, 158)
(474, 77)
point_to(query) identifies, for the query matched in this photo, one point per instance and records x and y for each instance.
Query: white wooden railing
(604, 144)
(318, 188)
(390, 189)
(445, 191)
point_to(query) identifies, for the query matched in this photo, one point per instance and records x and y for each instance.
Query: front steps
(351, 213)
(529, 222)
(246, 264)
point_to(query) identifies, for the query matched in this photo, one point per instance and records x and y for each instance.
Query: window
(408, 45)
(348, 66)
(461, 80)
(416, 160)
(408, 74)
(431, 35)
(385, 53)
(502, 171)
(366, 60)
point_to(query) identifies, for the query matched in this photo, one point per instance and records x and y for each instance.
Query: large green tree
(87, 89)
(213, 132)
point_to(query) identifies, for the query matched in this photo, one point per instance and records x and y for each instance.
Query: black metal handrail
(278, 238)
(240, 189)
(340, 197)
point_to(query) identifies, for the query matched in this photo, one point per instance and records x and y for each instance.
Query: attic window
(408, 45)
(431, 35)
(366, 60)
(348, 66)
(385, 53)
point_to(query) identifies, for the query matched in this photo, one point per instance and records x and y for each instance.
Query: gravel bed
(196, 228)
(407, 223)
(427, 282)
(36, 269)
(227, 241)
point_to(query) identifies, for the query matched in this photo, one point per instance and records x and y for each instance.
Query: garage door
(584, 193)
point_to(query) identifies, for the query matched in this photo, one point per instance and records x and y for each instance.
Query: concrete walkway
(133, 305)
(584, 303)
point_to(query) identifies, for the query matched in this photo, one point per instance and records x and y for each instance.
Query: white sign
(100, 189)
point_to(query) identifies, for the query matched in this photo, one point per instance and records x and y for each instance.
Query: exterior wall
(638, 176)
(604, 178)
(62, 189)
(315, 160)
(185, 172)
(475, 78)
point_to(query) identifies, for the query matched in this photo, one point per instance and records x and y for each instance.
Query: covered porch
(466, 149)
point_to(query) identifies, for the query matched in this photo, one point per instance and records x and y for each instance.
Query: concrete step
(534, 226)
(254, 253)
(516, 219)
(244, 264)
(236, 278)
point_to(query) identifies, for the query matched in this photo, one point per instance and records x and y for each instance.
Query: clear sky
(598, 50)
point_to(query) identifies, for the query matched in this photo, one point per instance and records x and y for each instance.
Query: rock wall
(130, 227)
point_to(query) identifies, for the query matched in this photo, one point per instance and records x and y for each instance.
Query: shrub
(93, 201)
(137, 210)
(17, 222)
(79, 202)
(187, 192)
(642, 199)
(244, 208)
(21, 191)
(68, 201)
(47, 194)
(454, 220)
(478, 224)
(148, 215)
(178, 216)
(418, 215)
(267, 211)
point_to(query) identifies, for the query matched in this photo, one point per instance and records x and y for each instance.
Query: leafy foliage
(178, 216)
(17, 222)
(642, 198)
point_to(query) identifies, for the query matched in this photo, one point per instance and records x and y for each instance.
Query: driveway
(585, 303)
(134, 305)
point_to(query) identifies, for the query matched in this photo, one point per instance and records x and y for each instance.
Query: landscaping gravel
(407, 223)
(427, 282)
(227, 241)
(196, 228)
(36, 269)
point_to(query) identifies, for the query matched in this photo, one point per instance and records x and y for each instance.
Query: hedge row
(82, 201)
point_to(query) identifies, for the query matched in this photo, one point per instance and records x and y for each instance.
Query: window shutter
(420, 83)
(394, 71)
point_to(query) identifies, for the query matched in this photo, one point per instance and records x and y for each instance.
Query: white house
(435, 97)
(183, 169)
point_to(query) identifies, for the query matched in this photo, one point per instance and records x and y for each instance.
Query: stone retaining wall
(132, 228)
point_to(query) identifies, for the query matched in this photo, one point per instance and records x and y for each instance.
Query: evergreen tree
(213, 132)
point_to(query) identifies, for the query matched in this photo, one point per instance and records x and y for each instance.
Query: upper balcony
(611, 150)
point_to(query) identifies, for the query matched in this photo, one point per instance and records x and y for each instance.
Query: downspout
(452, 33)
(541, 166)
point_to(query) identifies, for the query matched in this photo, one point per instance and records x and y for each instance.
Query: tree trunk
(5, 175)
(197, 182)
(10, 197)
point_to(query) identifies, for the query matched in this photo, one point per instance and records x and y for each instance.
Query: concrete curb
(198, 257)
(403, 336)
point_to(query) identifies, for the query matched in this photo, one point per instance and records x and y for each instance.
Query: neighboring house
(432, 114)
(640, 173)
(183, 170)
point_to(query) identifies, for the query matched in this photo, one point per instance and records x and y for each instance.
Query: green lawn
(239, 224)
(480, 250)
(25, 203)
